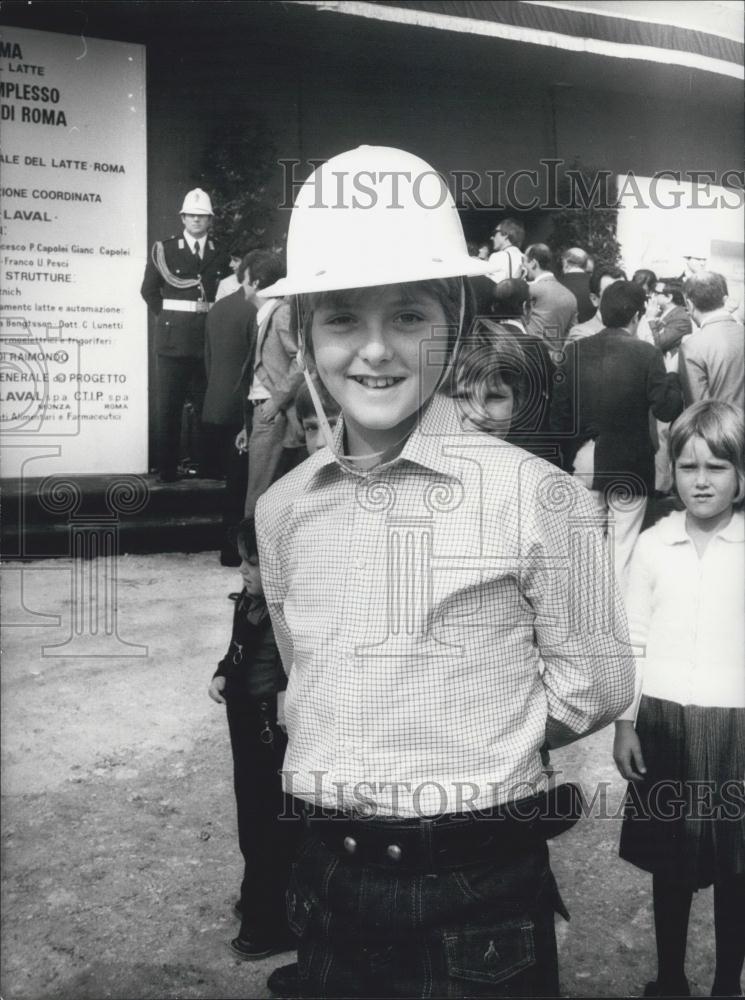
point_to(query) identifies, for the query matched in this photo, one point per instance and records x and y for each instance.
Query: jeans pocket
(492, 954)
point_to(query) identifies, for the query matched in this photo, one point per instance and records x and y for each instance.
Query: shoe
(655, 989)
(234, 595)
(284, 982)
(256, 946)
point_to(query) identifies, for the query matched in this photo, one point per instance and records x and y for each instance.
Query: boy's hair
(304, 403)
(491, 356)
(621, 302)
(722, 426)
(447, 291)
(263, 265)
(245, 537)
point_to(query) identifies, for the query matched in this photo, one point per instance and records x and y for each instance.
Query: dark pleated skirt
(686, 820)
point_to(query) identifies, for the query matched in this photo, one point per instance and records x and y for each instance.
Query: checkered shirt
(433, 615)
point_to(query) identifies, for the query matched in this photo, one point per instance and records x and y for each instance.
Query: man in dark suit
(672, 322)
(601, 410)
(179, 286)
(553, 308)
(230, 336)
(576, 278)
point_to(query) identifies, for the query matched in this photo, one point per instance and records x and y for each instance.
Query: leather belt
(446, 842)
(186, 306)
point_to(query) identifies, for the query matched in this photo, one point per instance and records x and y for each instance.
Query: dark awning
(704, 36)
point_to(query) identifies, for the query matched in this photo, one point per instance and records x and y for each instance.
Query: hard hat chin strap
(328, 435)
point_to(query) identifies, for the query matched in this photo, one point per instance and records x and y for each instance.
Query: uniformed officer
(179, 287)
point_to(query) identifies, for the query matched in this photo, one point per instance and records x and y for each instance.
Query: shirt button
(350, 845)
(360, 563)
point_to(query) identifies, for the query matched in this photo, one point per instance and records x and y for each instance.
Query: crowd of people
(442, 461)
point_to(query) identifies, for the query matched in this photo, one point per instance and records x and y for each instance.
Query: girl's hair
(491, 356)
(304, 403)
(722, 426)
(447, 291)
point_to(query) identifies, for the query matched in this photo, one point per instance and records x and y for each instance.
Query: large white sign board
(73, 329)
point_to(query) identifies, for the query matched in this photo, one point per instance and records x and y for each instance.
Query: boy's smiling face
(369, 347)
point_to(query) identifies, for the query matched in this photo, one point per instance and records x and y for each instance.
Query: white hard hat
(373, 216)
(197, 202)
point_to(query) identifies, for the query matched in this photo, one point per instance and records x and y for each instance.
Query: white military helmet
(197, 202)
(373, 216)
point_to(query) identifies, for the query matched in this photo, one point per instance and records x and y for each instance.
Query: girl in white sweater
(685, 757)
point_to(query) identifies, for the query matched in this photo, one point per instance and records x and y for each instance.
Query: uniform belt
(186, 306)
(451, 841)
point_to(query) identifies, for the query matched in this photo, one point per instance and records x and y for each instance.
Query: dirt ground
(119, 852)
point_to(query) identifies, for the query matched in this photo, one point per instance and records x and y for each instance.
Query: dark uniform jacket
(611, 381)
(181, 334)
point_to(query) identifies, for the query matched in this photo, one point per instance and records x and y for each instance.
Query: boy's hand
(216, 688)
(627, 752)
(241, 441)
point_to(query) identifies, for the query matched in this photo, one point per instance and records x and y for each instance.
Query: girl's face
(249, 571)
(494, 414)
(707, 485)
(372, 355)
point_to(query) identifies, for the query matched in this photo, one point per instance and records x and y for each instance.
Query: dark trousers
(374, 930)
(222, 460)
(180, 379)
(267, 842)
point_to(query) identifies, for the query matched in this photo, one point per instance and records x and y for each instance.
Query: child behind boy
(432, 613)
(247, 681)
(308, 418)
(502, 380)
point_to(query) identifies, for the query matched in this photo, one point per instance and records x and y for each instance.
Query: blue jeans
(480, 930)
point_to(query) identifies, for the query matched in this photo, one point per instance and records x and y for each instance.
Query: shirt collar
(425, 446)
(717, 316)
(673, 528)
(191, 241)
(543, 276)
(265, 309)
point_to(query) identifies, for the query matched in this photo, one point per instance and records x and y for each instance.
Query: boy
(434, 626)
(247, 681)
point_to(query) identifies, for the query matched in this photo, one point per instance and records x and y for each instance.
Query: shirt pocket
(492, 955)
